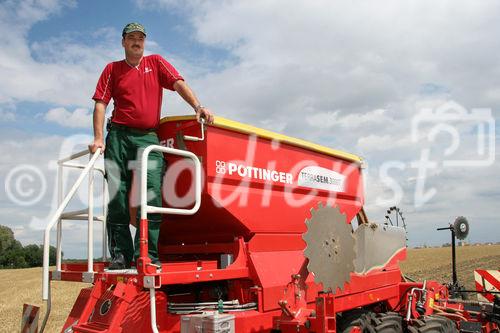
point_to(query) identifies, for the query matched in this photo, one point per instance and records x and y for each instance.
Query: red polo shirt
(136, 91)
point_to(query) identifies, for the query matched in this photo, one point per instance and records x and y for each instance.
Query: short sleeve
(103, 89)
(168, 74)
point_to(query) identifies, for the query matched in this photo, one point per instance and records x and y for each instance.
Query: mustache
(136, 45)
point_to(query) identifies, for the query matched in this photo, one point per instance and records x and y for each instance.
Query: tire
(370, 322)
(433, 324)
(353, 318)
(389, 322)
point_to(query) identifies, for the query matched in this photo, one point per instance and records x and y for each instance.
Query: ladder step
(91, 328)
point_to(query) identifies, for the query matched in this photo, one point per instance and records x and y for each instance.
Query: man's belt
(134, 130)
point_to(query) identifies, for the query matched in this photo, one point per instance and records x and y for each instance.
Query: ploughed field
(24, 285)
(435, 263)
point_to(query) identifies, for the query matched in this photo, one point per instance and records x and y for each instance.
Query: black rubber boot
(119, 262)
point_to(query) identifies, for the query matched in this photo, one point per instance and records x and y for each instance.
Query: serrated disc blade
(330, 247)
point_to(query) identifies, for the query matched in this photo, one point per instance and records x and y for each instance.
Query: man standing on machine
(136, 86)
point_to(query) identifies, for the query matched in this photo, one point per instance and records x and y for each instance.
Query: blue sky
(351, 76)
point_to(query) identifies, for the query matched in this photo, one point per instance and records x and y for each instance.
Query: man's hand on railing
(204, 113)
(97, 144)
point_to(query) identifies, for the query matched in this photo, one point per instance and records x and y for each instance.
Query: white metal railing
(82, 214)
(88, 214)
(145, 208)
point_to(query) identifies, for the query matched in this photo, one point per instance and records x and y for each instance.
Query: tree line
(14, 255)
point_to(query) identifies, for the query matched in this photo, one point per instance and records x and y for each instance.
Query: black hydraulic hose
(401, 298)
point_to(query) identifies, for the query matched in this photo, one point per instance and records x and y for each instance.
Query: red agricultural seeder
(261, 233)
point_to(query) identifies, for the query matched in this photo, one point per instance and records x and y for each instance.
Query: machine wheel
(433, 324)
(348, 320)
(387, 322)
(370, 322)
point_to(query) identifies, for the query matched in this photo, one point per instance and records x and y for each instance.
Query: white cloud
(6, 116)
(375, 142)
(348, 121)
(340, 55)
(79, 118)
(323, 119)
(60, 70)
(353, 75)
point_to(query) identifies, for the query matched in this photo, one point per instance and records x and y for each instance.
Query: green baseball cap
(131, 27)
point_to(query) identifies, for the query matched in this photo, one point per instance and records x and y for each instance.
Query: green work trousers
(122, 158)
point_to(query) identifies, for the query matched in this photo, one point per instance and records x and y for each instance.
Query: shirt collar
(136, 67)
